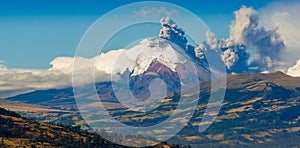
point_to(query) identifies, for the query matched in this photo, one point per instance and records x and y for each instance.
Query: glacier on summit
(138, 58)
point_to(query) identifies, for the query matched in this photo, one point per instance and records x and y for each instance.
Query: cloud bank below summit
(59, 75)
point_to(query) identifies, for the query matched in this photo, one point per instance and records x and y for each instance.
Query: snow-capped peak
(139, 58)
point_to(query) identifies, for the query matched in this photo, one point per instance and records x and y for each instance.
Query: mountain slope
(16, 131)
(142, 63)
(61, 98)
(258, 109)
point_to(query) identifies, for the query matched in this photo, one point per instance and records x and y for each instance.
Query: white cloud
(59, 75)
(294, 70)
(15, 81)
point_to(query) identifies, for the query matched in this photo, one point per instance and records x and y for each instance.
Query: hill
(257, 110)
(16, 131)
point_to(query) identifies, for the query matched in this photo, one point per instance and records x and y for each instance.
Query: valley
(257, 109)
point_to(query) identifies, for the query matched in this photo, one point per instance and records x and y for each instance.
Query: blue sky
(33, 33)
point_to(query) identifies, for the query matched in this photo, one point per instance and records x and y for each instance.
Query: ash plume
(245, 32)
(234, 56)
(170, 31)
(267, 43)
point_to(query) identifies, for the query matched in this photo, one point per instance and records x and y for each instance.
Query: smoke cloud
(170, 31)
(267, 43)
(287, 19)
(234, 56)
(245, 32)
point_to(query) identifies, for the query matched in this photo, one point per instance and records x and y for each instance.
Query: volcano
(157, 59)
